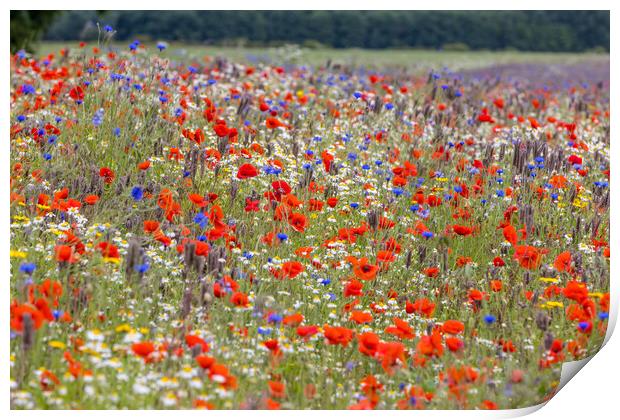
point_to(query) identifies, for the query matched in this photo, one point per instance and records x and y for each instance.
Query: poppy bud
(542, 321)
(28, 332)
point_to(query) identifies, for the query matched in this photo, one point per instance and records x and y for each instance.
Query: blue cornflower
(427, 234)
(282, 236)
(271, 170)
(143, 268)
(28, 89)
(137, 193)
(274, 318)
(161, 46)
(27, 268)
(489, 319)
(264, 331)
(201, 220)
(98, 117)
(354, 205)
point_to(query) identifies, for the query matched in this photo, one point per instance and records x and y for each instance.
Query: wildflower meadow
(196, 231)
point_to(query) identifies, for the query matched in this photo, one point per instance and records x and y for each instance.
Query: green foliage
(27, 26)
(477, 30)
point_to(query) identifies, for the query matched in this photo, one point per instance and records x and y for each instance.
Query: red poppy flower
(563, 262)
(360, 317)
(77, 93)
(365, 271)
(107, 174)
(353, 288)
(247, 170)
(529, 257)
(337, 335)
(194, 340)
(64, 253)
(452, 327)
(273, 123)
(143, 349)
(400, 329)
(289, 270)
(298, 221)
(421, 306)
(19, 312)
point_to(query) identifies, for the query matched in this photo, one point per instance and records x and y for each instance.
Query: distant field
(409, 58)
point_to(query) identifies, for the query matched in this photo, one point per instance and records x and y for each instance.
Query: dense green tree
(27, 26)
(493, 30)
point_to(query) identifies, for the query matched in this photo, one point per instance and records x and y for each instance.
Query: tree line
(476, 30)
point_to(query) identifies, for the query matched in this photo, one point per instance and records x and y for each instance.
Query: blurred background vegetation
(549, 31)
